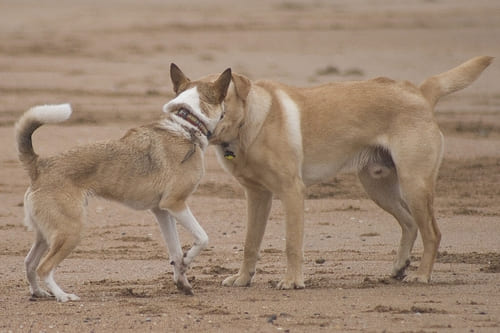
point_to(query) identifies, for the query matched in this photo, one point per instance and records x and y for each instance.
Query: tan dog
(277, 139)
(156, 167)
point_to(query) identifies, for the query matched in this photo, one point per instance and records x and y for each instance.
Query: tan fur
(383, 129)
(156, 167)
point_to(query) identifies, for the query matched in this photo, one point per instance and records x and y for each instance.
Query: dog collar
(195, 121)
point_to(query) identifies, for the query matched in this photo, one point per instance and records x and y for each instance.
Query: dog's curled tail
(455, 79)
(28, 123)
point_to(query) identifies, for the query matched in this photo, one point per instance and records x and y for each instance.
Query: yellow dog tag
(229, 155)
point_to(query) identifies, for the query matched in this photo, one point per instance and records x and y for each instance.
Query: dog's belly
(142, 200)
(141, 205)
(316, 172)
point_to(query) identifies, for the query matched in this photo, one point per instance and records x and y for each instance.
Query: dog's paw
(185, 287)
(287, 283)
(180, 268)
(40, 293)
(399, 271)
(63, 298)
(416, 278)
(238, 280)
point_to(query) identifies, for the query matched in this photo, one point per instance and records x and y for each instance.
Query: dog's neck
(194, 120)
(185, 117)
(258, 106)
(190, 133)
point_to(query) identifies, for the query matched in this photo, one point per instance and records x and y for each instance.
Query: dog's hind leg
(60, 221)
(31, 263)
(420, 202)
(417, 163)
(381, 184)
(59, 248)
(171, 237)
(38, 249)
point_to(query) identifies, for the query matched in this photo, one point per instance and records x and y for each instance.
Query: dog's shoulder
(159, 141)
(140, 137)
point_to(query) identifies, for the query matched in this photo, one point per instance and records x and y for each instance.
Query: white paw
(288, 283)
(399, 271)
(238, 280)
(40, 293)
(416, 278)
(67, 297)
(184, 286)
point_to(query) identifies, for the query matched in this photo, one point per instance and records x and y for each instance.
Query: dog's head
(199, 100)
(228, 128)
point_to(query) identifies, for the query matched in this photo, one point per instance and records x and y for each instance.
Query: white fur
(28, 207)
(292, 115)
(258, 110)
(175, 127)
(191, 98)
(58, 293)
(169, 231)
(188, 221)
(51, 113)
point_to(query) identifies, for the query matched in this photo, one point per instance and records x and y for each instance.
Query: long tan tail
(28, 123)
(455, 79)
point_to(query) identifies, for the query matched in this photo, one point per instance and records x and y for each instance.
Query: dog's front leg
(188, 221)
(293, 204)
(171, 237)
(183, 215)
(258, 207)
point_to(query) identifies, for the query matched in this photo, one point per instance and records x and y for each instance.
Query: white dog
(156, 167)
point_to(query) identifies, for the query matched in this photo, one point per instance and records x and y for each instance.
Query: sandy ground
(110, 60)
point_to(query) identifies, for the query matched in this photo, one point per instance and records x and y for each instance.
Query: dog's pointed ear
(222, 84)
(242, 85)
(178, 78)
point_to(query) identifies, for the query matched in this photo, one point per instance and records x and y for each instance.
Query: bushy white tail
(49, 113)
(29, 122)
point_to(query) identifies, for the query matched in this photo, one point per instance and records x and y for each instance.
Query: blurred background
(110, 59)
